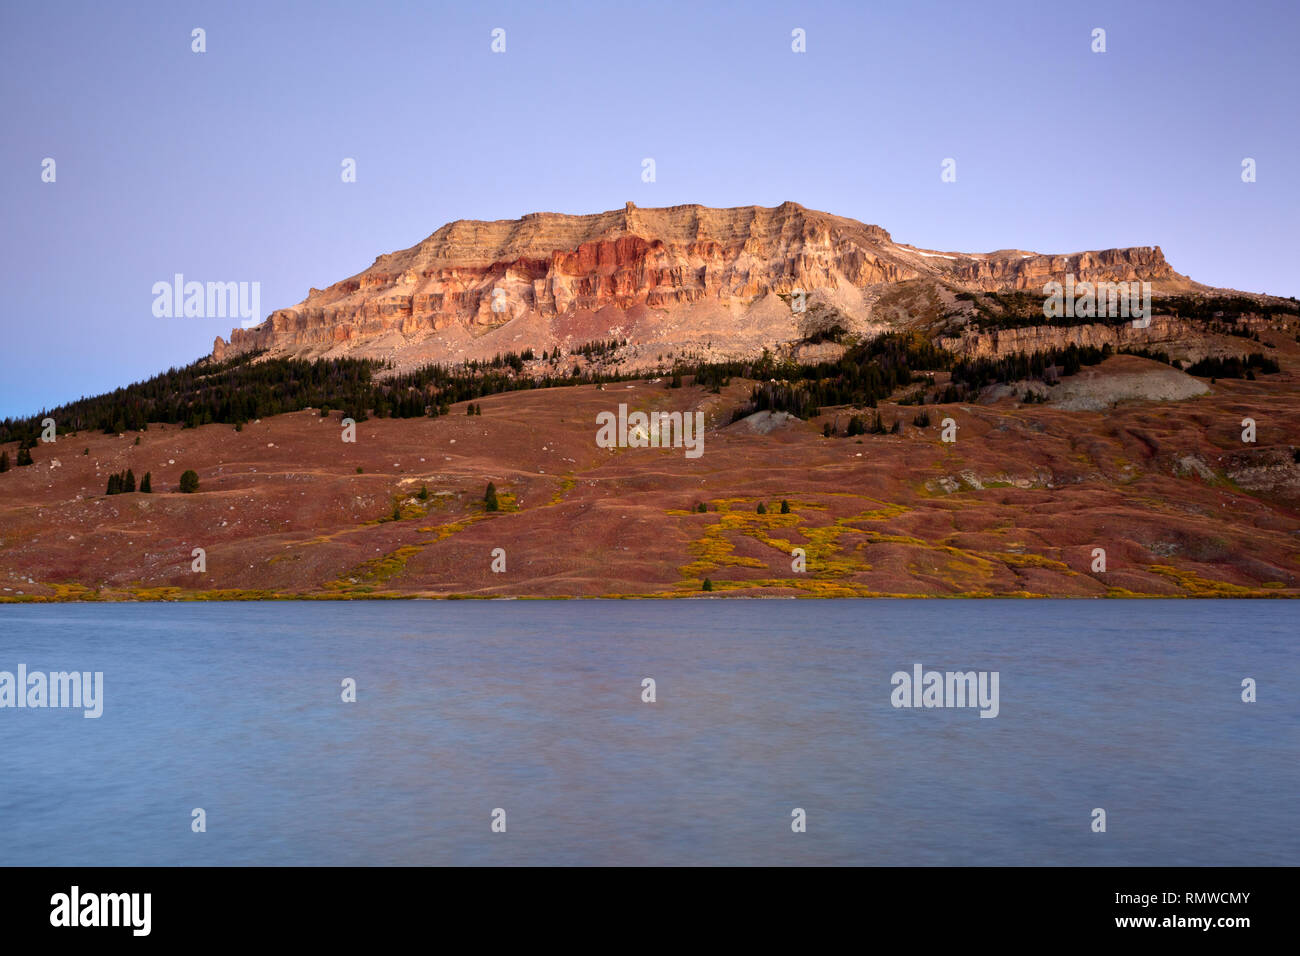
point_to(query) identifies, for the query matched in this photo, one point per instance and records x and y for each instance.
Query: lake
(535, 708)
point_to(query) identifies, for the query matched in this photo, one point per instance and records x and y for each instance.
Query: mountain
(977, 448)
(712, 283)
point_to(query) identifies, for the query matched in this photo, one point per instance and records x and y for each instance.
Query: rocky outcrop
(1181, 340)
(1122, 379)
(1030, 271)
(683, 277)
(1163, 333)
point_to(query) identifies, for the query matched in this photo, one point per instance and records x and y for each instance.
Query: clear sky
(225, 165)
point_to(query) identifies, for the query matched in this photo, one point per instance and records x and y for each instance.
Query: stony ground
(1016, 505)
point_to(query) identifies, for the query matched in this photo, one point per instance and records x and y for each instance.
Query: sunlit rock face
(712, 283)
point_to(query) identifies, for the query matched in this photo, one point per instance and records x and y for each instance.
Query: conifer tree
(785, 507)
(146, 486)
(24, 457)
(4, 461)
(128, 485)
(490, 498)
(190, 481)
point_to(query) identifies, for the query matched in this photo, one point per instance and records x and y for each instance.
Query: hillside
(1015, 506)
(930, 431)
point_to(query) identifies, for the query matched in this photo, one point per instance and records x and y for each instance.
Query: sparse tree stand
(490, 498)
(121, 483)
(190, 482)
(24, 457)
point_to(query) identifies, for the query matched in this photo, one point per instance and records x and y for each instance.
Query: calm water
(763, 706)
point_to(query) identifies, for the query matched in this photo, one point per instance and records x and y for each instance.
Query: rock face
(1164, 333)
(685, 279)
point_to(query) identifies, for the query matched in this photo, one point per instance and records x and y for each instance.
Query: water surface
(763, 706)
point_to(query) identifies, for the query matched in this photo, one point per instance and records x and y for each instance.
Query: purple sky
(225, 165)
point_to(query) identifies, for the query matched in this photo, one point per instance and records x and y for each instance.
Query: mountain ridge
(673, 279)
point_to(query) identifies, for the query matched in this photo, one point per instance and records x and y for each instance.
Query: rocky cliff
(715, 282)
